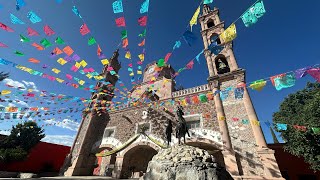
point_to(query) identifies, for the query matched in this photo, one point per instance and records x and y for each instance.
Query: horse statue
(182, 128)
(169, 132)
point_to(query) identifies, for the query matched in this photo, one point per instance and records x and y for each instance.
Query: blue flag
(189, 37)
(144, 7)
(285, 81)
(198, 56)
(19, 4)
(33, 17)
(281, 127)
(238, 92)
(215, 49)
(177, 44)
(15, 20)
(207, 1)
(117, 6)
(76, 11)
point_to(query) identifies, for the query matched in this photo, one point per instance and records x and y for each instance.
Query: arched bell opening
(222, 65)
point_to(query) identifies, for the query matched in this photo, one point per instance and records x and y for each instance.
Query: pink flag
(109, 68)
(90, 69)
(139, 62)
(143, 21)
(32, 32)
(48, 30)
(5, 27)
(125, 43)
(74, 68)
(130, 65)
(120, 22)
(166, 59)
(190, 65)
(84, 29)
(68, 76)
(315, 73)
(3, 45)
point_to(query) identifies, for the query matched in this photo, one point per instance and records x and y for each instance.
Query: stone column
(256, 128)
(228, 152)
(209, 62)
(234, 65)
(118, 167)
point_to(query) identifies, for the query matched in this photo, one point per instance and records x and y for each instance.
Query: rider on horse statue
(182, 128)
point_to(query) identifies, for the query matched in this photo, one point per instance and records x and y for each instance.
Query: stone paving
(69, 178)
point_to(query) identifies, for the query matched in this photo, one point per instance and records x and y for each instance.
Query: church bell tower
(224, 74)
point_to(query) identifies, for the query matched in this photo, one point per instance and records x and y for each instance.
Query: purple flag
(299, 73)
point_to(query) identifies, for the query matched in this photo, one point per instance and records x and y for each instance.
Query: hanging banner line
(218, 35)
(181, 36)
(145, 6)
(136, 102)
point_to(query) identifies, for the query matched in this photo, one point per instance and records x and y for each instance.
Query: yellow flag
(89, 75)
(229, 34)
(131, 74)
(153, 79)
(141, 57)
(59, 80)
(105, 61)
(77, 65)
(83, 63)
(128, 55)
(194, 18)
(61, 61)
(81, 82)
(5, 92)
(139, 72)
(55, 70)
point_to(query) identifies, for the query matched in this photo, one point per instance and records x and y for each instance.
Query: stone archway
(104, 166)
(213, 148)
(136, 159)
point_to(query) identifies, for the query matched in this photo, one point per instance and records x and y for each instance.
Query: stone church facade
(240, 148)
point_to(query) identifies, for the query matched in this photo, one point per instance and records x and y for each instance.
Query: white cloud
(22, 103)
(66, 123)
(4, 132)
(66, 140)
(34, 87)
(16, 84)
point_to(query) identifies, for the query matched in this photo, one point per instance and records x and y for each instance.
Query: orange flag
(33, 60)
(40, 48)
(57, 51)
(125, 43)
(99, 50)
(68, 50)
(142, 43)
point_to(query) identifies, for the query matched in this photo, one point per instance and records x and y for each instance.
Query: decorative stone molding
(197, 89)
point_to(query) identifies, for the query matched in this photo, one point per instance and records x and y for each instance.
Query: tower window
(215, 39)
(210, 23)
(222, 65)
(109, 132)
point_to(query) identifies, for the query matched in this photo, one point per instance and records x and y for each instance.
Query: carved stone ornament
(144, 114)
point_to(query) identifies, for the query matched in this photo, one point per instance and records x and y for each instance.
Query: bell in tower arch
(222, 65)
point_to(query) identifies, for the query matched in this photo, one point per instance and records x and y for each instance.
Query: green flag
(18, 53)
(91, 41)
(316, 130)
(143, 34)
(161, 63)
(203, 98)
(24, 39)
(59, 40)
(251, 16)
(124, 34)
(207, 1)
(45, 43)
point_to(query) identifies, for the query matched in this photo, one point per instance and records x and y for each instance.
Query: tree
(3, 76)
(22, 139)
(302, 109)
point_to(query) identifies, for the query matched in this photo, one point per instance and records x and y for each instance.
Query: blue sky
(284, 39)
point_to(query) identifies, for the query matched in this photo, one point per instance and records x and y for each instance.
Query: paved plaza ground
(70, 178)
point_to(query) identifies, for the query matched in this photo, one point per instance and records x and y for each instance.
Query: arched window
(210, 23)
(215, 39)
(222, 64)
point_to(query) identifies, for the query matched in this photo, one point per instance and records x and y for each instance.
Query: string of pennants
(249, 17)
(281, 81)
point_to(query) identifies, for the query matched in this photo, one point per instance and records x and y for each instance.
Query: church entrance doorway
(135, 161)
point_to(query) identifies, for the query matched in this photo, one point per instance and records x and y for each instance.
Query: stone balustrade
(193, 90)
